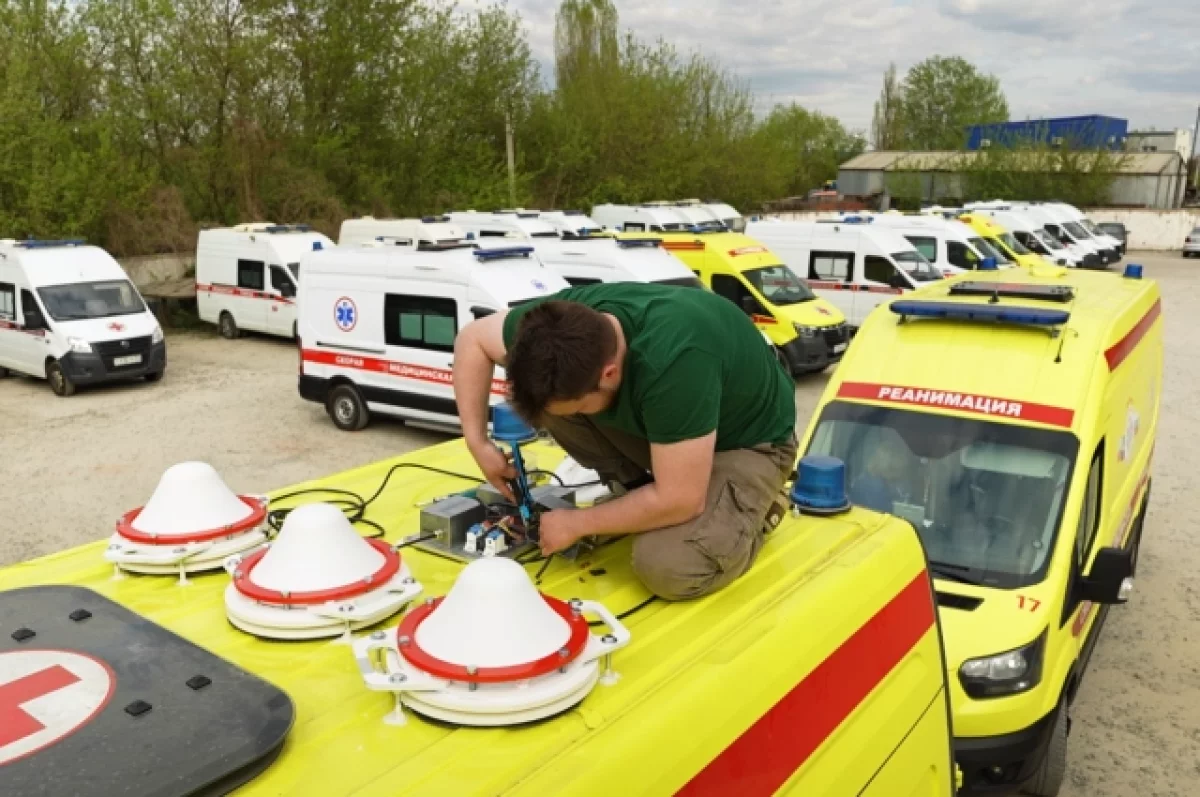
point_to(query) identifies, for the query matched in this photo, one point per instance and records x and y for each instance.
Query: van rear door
(281, 317)
(249, 302)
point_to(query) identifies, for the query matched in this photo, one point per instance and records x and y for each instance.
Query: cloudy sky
(1135, 60)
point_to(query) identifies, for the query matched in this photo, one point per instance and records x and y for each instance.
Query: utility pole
(512, 160)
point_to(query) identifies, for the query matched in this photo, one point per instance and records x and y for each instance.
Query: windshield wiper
(952, 572)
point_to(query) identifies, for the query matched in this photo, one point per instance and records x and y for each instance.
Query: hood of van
(816, 313)
(979, 621)
(117, 327)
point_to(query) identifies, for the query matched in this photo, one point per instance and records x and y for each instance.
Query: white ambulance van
(368, 230)
(1070, 235)
(377, 324)
(519, 225)
(699, 216)
(1029, 233)
(571, 223)
(648, 217)
(587, 261)
(951, 246)
(852, 263)
(727, 215)
(1103, 239)
(70, 315)
(246, 276)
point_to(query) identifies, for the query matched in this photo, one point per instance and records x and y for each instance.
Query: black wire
(538, 578)
(413, 541)
(627, 612)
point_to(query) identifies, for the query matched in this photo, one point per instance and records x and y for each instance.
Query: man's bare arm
(478, 349)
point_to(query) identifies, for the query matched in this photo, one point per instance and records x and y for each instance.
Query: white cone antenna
(493, 652)
(191, 523)
(318, 578)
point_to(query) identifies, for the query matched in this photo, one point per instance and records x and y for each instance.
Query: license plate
(838, 349)
(132, 359)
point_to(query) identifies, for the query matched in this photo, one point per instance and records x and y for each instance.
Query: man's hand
(495, 466)
(557, 531)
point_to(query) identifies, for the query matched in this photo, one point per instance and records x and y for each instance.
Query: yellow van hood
(815, 313)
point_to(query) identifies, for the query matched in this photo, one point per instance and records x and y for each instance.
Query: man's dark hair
(558, 354)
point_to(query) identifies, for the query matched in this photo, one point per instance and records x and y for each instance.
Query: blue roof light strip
(501, 253)
(34, 243)
(994, 313)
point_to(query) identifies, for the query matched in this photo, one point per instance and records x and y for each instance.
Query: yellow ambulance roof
(1006, 371)
(735, 249)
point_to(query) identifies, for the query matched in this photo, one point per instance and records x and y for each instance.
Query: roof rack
(34, 243)
(995, 313)
(1014, 290)
(281, 228)
(501, 253)
(443, 246)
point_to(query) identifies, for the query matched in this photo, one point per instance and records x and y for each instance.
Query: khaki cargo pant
(703, 555)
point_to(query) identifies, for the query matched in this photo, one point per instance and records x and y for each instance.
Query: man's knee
(686, 563)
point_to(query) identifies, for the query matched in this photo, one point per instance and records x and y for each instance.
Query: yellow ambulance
(1003, 241)
(809, 333)
(1010, 417)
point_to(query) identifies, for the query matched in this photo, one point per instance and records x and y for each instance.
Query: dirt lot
(69, 467)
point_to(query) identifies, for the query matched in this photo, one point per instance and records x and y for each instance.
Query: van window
(779, 284)
(926, 246)
(281, 282)
(295, 269)
(482, 312)
(878, 269)
(733, 290)
(1089, 516)
(830, 266)
(576, 281)
(632, 227)
(29, 306)
(959, 255)
(250, 275)
(424, 322)
(8, 302)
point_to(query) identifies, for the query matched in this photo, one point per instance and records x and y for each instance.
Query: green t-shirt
(695, 363)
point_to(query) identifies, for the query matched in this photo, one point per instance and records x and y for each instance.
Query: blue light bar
(33, 243)
(503, 252)
(634, 243)
(274, 228)
(856, 220)
(1039, 316)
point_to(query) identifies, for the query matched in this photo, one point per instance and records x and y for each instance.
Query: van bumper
(1092, 260)
(314, 388)
(816, 353)
(998, 763)
(90, 369)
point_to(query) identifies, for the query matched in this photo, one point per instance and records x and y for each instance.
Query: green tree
(804, 148)
(942, 96)
(886, 133)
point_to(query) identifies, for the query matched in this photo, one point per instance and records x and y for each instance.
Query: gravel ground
(69, 467)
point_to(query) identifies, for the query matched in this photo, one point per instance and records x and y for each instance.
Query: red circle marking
(17, 692)
(492, 675)
(258, 513)
(243, 584)
(353, 306)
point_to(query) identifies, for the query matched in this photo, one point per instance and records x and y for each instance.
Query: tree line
(134, 122)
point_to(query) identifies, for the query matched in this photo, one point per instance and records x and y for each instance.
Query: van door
(32, 342)
(960, 255)
(881, 281)
(1087, 538)
(831, 276)
(249, 303)
(737, 292)
(419, 331)
(8, 325)
(281, 318)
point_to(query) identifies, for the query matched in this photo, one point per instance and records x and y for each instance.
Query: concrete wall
(1152, 229)
(148, 269)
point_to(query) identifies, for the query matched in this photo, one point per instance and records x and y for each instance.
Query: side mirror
(1111, 578)
(34, 320)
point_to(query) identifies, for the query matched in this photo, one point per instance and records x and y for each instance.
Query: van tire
(1049, 776)
(60, 383)
(781, 355)
(227, 326)
(347, 409)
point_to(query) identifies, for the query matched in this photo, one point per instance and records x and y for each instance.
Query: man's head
(564, 360)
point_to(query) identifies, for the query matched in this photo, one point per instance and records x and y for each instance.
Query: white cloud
(1138, 61)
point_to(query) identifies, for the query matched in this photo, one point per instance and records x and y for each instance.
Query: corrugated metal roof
(895, 161)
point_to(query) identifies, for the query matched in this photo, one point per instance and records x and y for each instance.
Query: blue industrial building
(1075, 132)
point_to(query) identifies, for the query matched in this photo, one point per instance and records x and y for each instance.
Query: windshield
(1048, 240)
(1091, 227)
(683, 282)
(1116, 230)
(91, 300)
(1076, 231)
(1012, 243)
(916, 266)
(295, 269)
(779, 285)
(985, 497)
(986, 249)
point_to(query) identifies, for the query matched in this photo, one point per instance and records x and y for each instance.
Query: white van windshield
(1091, 227)
(916, 266)
(81, 300)
(986, 249)
(1076, 231)
(779, 284)
(1047, 239)
(985, 497)
(1012, 243)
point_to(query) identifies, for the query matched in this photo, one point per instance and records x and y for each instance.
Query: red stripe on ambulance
(1117, 353)
(963, 402)
(421, 373)
(782, 740)
(245, 293)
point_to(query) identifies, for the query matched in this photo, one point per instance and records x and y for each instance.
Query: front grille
(111, 349)
(835, 334)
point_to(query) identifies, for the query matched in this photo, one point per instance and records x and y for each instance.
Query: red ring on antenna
(243, 584)
(258, 513)
(491, 675)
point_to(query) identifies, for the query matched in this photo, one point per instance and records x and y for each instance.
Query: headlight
(79, 345)
(805, 332)
(157, 335)
(1008, 673)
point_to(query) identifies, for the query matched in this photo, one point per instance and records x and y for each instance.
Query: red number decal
(1034, 603)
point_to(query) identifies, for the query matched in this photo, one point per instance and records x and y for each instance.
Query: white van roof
(508, 274)
(521, 224)
(60, 262)
(370, 231)
(290, 242)
(700, 216)
(571, 222)
(662, 214)
(630, 260)
(889, 240)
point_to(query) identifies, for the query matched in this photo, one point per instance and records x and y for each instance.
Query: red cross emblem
(116, 326)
